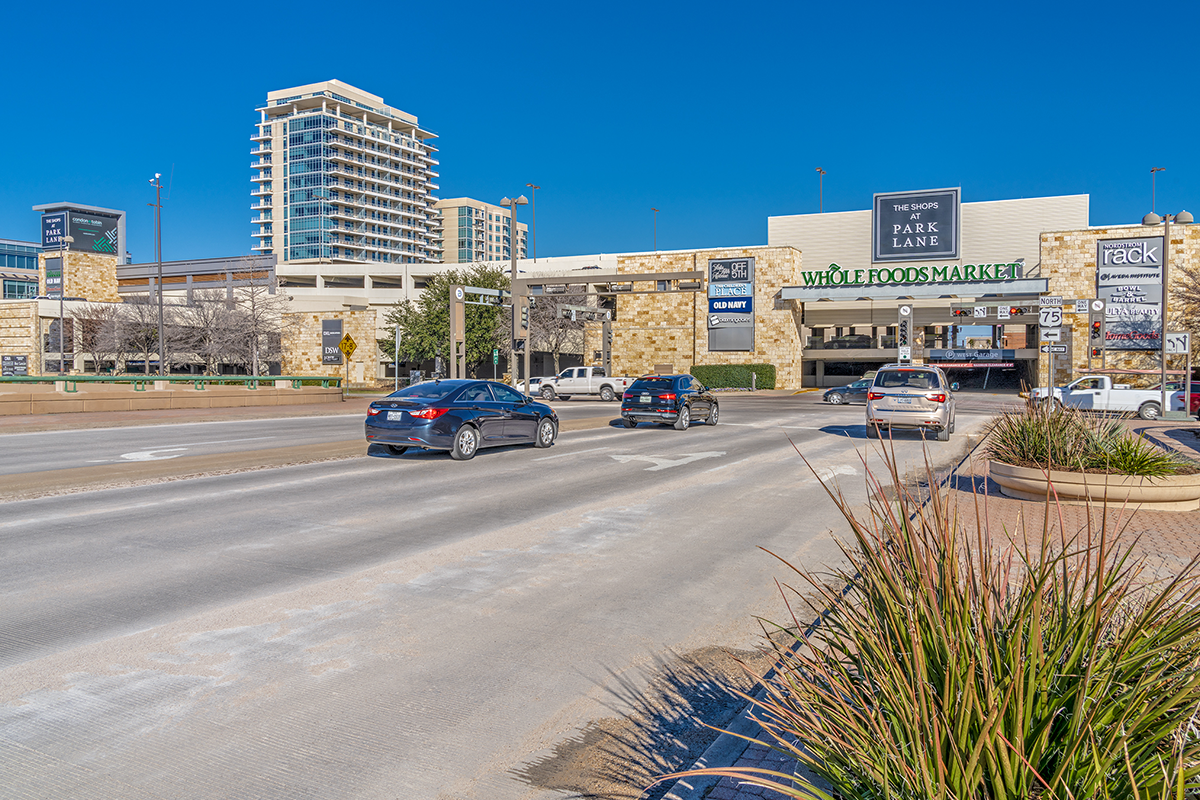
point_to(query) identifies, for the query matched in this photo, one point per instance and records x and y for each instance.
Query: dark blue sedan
(460, 416)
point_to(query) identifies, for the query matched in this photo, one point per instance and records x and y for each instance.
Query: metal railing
(199, 382)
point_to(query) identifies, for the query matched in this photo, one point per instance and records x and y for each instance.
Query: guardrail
(199, 382)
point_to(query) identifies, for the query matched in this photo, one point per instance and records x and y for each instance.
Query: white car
(535, 385)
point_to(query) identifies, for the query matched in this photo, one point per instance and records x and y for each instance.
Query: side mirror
(954, 386)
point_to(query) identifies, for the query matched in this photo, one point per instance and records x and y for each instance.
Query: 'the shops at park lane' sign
(916, 226)
(888, 276)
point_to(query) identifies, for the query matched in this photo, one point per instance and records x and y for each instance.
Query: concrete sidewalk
(1165, 540)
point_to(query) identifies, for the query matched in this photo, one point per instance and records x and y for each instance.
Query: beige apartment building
(474, 231)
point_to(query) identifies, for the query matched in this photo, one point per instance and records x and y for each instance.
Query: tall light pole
(655, 210)
(157, 184)
(62, 293)
(533, 227)
(1152, 171)
(821, 190)
(1182, 218)
(512, 208)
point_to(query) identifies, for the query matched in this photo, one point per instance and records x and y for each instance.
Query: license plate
(395, 416)
(907, 401)
(644, 398)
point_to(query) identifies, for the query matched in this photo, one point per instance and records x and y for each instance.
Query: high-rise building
(343, 177)
(476, 231)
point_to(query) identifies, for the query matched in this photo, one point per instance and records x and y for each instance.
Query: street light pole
(157, 184)
(1152, 176)
(533, 227)
(821, 190)
(1182, 218)
(512, 204)
(655, 210)
(62, 293)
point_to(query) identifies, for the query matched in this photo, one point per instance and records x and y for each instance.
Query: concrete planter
(1171, 493)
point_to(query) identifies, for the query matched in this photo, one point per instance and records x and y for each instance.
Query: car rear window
(907, 379)
(430, 390)
(652, 384)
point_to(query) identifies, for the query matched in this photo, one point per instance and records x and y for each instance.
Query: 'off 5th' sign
(916, 226)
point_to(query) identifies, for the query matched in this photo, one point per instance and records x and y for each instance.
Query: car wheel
(466, 443)
(606, 394)
(943, 434)
(545, 433)
(629, 423)
(547, 393)
(397, 450)
(712, 415)
(684, 420)
(1149, 411)
(835, 399)
(872, 430)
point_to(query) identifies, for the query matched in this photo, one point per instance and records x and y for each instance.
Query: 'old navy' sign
(883, 276)
(731, 305)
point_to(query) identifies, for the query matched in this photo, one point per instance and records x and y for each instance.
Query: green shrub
(967, 666)
(1052, 437)
(734, 376)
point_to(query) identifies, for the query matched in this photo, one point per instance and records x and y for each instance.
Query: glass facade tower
(340, 176)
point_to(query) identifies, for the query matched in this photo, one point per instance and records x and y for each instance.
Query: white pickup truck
(584, 380)
(1099, 393)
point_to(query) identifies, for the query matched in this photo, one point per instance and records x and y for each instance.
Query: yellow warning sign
(347, 345)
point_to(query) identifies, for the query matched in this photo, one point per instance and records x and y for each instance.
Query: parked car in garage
(668, 400)
(851, 341)
(850, 393)
(459, 416)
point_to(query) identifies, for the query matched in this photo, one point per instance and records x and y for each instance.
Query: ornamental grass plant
(982, 664)
(1051, 437)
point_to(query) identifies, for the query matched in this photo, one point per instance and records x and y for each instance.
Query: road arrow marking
(663, 462)
(149, 455)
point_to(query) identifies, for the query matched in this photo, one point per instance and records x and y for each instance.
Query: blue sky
(716, 114)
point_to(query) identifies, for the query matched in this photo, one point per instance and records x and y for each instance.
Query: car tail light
(429, 413)
(372, 411)
(668, 396)
(626, 396)
(874, 395)
(937, 397)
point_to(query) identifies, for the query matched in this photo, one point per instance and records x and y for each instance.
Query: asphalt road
(395, 627)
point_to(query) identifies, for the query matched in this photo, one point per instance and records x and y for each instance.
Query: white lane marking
(572, 453)
(725, 466)
(150, 455)
(662, 462)
(143, 455)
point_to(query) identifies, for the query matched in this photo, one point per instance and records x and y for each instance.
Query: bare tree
(138, 329)
(209, 329)
(259, 305)
(97, 332)
(554, 332)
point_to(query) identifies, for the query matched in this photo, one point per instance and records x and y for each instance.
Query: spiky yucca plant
(980, 666)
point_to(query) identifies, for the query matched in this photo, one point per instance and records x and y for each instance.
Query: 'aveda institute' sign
(887, 276)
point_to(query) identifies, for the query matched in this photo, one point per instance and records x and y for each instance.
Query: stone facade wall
(92, 276)
(19, 329)
(302, 345)
(652, 329)
(1069, 261)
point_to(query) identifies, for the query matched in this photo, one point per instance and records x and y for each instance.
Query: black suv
(668, 400)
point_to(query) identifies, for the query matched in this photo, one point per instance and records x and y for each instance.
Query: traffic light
(608, 339)
(1017, 311)
(524, 317)
(1096, 352)
(964, 312)
(902, 333)
(518, 345)
(1097, 330)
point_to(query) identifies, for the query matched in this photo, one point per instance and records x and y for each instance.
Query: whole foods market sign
(1129, 278)
(916, 226)
(893, 276)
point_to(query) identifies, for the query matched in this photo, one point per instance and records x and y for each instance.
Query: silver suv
(917, 397)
